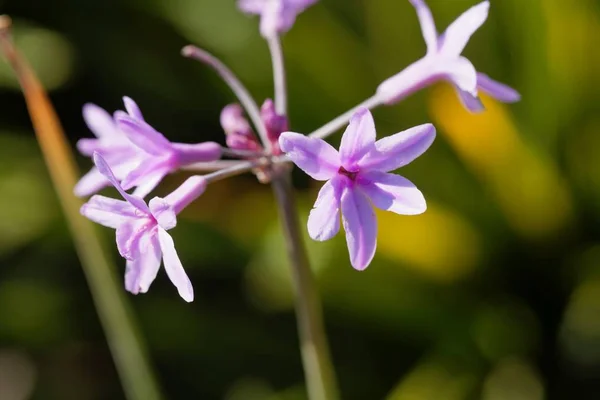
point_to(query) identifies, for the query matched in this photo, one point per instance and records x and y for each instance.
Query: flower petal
(148, 173)
(99, 121)
(128, 235)
(427, 24)
(314, 156)
(148, 184)
(132, 108)
(105, 170)
(497, 90)
(400, 149)
(163, 212)
(416, 76)
(324, 218)
(360, 225)
(463, 74)
(470, 102)
(393, 193)
(143, 135)
(358, 139)
(141, 272)
(90, 183)
(460, 31)
(108, 212)
(173, 266)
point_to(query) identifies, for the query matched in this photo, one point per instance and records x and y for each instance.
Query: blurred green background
(493, 293)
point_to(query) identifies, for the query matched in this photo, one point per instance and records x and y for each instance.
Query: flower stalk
(318, 369)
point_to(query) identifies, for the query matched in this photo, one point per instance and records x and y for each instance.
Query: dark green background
(493, 294)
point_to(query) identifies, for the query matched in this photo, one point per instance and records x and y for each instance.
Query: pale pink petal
(188, 191)
(105, 170)
(463, 74)
(87, 147)
(145, 186)
(148, 171)
(358, 139)
(132, 108)
(90, 183)
(497, 90)
(99, 121)
(141, 272)
(108, 212)
(143, 135)
(173, 266)
(324, 218)
(198, 152)
(252, 6)
(397, 150)
(427, 24)
(128, 235)
(416, 76)
(470, 102)
(163, 212)
(459, 32)
(392, 192)
(314, 156)
(360, 225)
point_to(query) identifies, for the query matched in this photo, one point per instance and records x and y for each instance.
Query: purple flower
(358, 179)
(120, 153)
(443, 61)
(161, 157)
(238, 132)
(141, 230)
(276, 16)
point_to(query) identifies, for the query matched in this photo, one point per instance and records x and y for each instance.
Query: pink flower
(161, 157)
(141, 230)
(138, 155)
(276, 16)
(122, 155)
(358, 178)
(443, 61)
(238, 132)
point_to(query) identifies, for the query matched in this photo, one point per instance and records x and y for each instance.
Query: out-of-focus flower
(276, 16)
(122, 155)
(238, 132)
(443, 61)
(141, 230)
(357, 176)
(275, 123)
(161, 157)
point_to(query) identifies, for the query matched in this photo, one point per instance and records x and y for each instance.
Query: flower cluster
(129, 153)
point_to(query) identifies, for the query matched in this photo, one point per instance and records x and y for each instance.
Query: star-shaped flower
(443, 61)
(358, 178)
(141, 230)
(276, 16)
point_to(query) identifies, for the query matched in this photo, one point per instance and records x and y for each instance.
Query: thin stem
(211, 165)
(343, 119)
(127, 349)
(234, 83)
(238, 169)
(278, 74)
(318, 369)
(226, 151)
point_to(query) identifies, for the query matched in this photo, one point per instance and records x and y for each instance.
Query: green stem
(318, 369)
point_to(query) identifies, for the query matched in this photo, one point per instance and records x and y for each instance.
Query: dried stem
(128, 352)
(318, 369)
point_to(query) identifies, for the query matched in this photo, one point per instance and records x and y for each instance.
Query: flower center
(351, 175)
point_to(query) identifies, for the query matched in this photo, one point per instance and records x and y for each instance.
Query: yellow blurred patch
(438, 243)
(527, 186)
